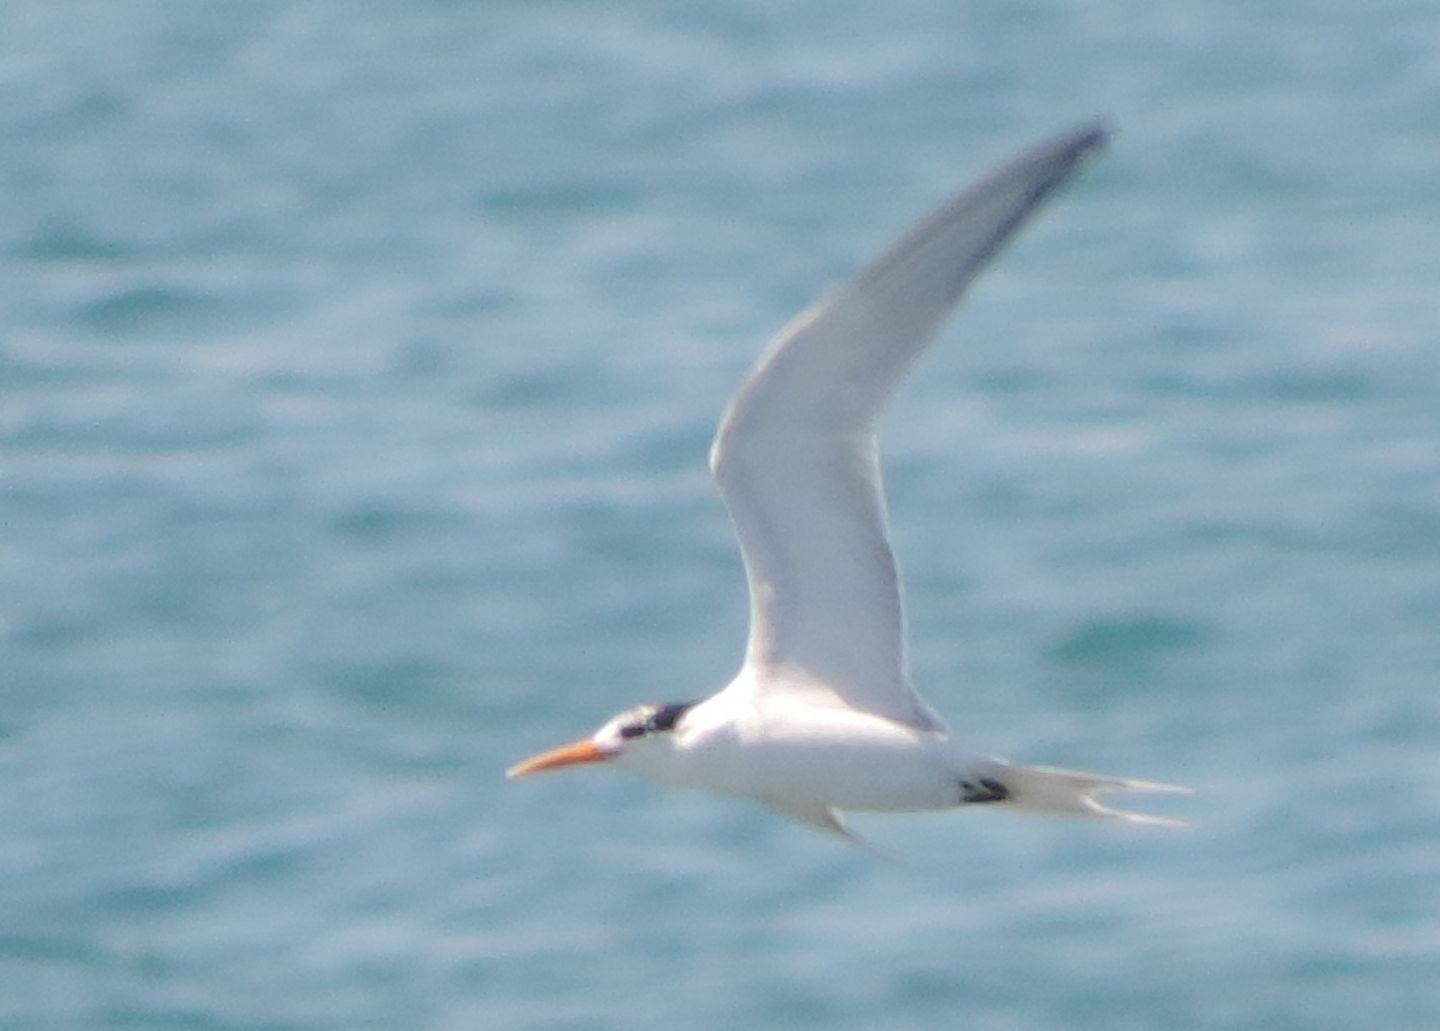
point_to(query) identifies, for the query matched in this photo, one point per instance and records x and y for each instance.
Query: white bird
(822, 717)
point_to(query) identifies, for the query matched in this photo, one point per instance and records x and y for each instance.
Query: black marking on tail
(986, 790)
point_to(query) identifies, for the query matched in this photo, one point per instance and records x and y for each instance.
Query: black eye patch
(667, 716)
(655, 718)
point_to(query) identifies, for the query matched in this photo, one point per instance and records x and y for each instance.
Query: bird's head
(643, 733)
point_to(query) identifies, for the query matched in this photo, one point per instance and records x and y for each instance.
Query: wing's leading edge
(796, 458)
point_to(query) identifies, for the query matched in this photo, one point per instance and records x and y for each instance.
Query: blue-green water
(357, 367)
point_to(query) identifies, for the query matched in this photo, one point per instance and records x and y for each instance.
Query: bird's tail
(1045, 789)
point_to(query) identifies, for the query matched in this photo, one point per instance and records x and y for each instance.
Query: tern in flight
(822, 717)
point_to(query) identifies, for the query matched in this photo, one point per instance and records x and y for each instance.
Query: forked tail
(1046, 789)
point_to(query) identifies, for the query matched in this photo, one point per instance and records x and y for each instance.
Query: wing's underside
(796, 458)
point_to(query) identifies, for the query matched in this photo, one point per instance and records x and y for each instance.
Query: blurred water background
(357, 368)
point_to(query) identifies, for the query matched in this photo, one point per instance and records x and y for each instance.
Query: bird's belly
(863, 778)
(848, 761)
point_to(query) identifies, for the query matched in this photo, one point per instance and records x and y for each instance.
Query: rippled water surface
(357, 368)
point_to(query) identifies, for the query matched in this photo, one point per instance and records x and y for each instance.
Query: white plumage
(822, 716)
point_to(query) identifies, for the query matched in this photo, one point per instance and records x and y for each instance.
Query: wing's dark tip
(1098, 131)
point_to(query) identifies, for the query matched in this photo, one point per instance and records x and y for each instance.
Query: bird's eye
(650, 719)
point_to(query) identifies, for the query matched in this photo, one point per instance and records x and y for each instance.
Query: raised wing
(796, 458)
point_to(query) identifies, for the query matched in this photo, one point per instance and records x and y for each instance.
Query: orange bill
(582, 751)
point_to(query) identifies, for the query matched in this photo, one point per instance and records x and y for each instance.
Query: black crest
(650, 719)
